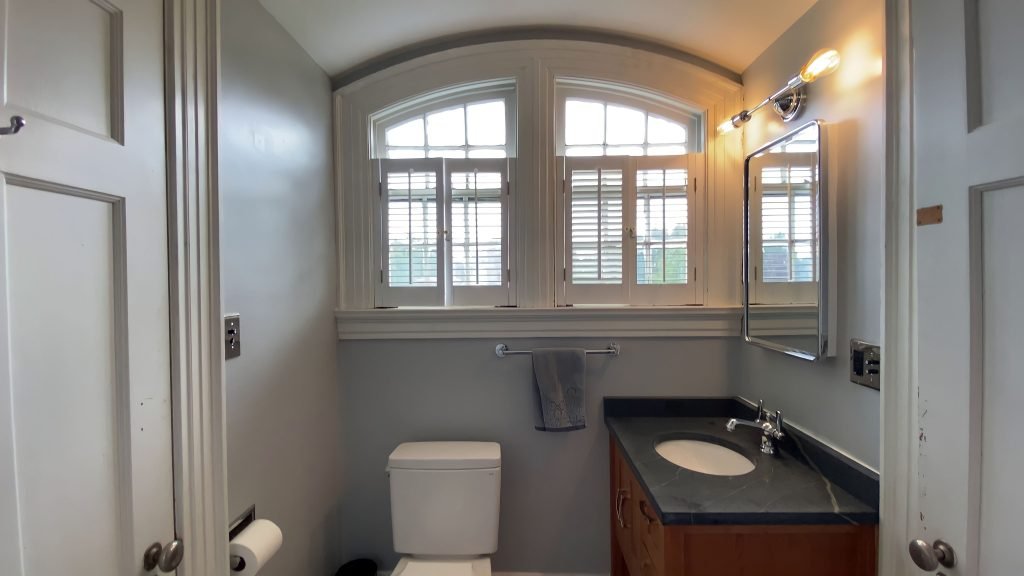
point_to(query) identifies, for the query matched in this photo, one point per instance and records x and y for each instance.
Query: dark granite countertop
(806, 483)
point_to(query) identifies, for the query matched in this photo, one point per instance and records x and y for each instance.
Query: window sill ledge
(590, 321)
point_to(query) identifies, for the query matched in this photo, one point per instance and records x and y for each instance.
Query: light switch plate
(232, 336)
(865, 363)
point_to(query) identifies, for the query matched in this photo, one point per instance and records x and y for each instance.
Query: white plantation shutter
(784, 228)
(663, 214)
(444, 232)
(595, 190)
(628, 230)
(411, 208)
(478, 240)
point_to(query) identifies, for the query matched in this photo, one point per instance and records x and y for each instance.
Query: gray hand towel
(559, 374)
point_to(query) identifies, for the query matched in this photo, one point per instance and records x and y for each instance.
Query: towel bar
(502, 350)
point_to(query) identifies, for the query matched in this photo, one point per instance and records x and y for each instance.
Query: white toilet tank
(445, 498)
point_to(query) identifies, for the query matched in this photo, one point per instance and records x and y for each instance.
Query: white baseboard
(388, 573)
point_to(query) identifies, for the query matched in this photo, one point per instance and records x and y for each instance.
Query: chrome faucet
(769, 424)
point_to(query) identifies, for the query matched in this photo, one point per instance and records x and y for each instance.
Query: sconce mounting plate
(789, 105)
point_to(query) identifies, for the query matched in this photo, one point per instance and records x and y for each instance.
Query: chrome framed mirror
(788, 273)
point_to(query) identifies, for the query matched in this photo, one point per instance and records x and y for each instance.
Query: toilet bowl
(445, 500)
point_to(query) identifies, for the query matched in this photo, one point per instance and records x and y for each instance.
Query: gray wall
(820, 397)
(277, 241)
(554, 516)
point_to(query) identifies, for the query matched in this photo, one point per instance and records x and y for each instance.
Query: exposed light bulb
(726, 127)
(821, 64)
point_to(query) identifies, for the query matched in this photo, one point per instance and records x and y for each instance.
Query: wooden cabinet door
(648, 533)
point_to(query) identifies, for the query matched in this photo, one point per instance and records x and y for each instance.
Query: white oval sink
(704, 457)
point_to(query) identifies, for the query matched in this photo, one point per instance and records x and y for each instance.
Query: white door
(85, 418)
(968, 75)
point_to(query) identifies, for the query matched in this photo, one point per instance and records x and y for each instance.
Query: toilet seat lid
(443, 567)
(445, 456)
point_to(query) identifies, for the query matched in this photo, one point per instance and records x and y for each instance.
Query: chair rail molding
(580, 321)
(191, 78)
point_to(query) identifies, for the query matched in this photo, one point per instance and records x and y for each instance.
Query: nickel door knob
(17, 123)
(929, 557)
(166, 558)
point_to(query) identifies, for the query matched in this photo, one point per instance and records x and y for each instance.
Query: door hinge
(508, 275)
(694, 273)
(565, 275)
(382, 276)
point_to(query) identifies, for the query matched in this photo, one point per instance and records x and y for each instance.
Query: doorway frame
(899, 302)
(191, 84)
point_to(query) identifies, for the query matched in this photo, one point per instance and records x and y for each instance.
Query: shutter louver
(411, 212)
(412, 228)
(595, 226)
(788, 224)
(627, 231)
(478, 247)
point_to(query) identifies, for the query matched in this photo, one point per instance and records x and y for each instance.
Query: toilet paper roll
(254, 547)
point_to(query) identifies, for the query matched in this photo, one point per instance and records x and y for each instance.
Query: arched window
(630, 161)
(629, 165)
(444, 179)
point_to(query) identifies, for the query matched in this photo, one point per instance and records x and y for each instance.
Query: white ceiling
(340, 34)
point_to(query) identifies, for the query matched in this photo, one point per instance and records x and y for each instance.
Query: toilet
(444, 507)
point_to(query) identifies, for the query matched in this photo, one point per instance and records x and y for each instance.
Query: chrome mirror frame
(824, 245)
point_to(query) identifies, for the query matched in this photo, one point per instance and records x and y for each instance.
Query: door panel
(66, 68)
(1002, 395)
(968, 156)
(86, 475)
(999, 65)
(69, 440)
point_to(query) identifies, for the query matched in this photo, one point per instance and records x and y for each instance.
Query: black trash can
(358, 567)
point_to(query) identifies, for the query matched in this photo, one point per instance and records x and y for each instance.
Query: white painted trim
(898, 377)
(576, 322)
(389, 572)
(192, 32)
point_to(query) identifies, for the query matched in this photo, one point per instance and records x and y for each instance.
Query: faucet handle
(760, 410)
(779, 433)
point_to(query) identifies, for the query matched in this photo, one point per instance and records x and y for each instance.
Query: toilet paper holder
(235, 528)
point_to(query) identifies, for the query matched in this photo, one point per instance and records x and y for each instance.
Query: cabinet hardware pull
(618, 507)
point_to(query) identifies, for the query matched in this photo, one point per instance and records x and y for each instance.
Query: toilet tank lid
(446, 456)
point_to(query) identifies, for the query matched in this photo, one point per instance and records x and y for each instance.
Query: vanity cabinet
(642, 546)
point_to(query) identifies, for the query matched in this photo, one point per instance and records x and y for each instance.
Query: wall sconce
(788, 101)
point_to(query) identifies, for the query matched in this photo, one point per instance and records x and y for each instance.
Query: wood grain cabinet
(642, 546)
